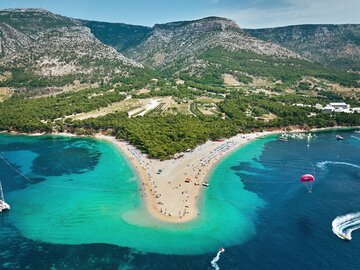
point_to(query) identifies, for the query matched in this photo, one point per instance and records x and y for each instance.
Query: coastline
(166, 194)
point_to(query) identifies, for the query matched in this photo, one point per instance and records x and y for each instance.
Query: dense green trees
(160, 136)
(30, 115)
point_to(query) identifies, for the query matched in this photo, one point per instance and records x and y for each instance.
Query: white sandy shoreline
(166, 194)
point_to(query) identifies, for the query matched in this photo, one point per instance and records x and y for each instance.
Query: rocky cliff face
(52, 45)
(335, 45)
(168, 43)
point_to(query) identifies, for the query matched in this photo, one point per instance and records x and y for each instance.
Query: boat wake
(323, 164)
(354, 137)
(343, 226)
(216, 259)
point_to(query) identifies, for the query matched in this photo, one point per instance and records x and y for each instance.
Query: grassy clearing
(4, 93)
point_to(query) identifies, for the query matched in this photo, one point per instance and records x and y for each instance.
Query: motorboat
(343, 236)
(3, 205)
(339, 138)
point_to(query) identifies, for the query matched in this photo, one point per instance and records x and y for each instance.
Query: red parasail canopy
(307, 178)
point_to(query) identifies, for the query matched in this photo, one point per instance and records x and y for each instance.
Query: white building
(356, 110)
(337, 107)
(328, 109)
(344, 111)
(340, 105)
(301, 105)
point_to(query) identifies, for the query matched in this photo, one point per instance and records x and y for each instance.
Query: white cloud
(296, 12)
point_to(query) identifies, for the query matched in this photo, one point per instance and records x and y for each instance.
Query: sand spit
(172, 188)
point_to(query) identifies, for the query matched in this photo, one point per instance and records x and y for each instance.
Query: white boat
(3, 205)
(206, 184)
(339, 138)
(343, 236)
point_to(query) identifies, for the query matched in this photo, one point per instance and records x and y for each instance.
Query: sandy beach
(171, 188)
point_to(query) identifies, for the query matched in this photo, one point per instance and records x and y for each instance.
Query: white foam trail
(323, 164)
(354, 137)
(343, 226)
(215, 260)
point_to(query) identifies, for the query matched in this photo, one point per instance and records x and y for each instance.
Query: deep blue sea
(66, 191)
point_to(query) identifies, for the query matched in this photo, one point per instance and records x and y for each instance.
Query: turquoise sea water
(83, 191)
(81, 208)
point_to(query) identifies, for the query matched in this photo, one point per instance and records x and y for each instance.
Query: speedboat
(283, 139)
(339, 138)
(343, 236)
(206, 184)
(222, 250)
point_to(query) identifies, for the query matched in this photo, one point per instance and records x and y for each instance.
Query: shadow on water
(75, 160)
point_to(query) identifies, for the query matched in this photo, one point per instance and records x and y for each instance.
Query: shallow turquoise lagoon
(66, 190)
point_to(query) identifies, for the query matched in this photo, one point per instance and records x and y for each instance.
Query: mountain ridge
(176, 40)
(329, 58)
(335, 45)
(47, 45)
(53, 46)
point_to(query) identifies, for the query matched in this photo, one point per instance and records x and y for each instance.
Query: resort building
(328, 109)
(338, 107)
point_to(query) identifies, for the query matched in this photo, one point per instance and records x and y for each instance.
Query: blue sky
(247, 13)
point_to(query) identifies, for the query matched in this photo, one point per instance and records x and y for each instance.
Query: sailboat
(3, 205)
